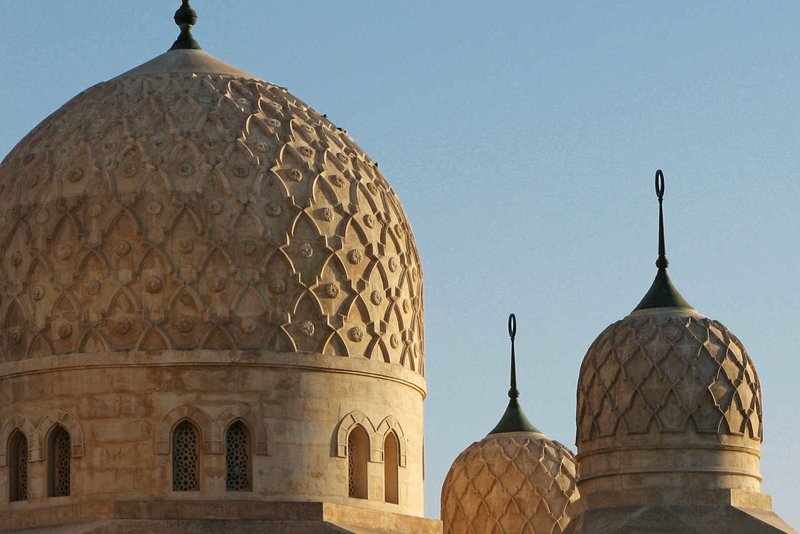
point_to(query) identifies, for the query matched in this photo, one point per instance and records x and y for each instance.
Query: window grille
(237, 458)
(391, 462)
(18, 467)
(60, 457)
(184, 458)
(357, 458)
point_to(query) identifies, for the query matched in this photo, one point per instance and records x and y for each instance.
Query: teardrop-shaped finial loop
(660, 184)
(512, 326)
(661, 262)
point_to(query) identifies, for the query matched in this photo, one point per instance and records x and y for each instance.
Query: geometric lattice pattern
(510, 485)
(18, 470)
(62, 456)
(357, 459)
(668, 373)
(237, 458)
(182, 211)
(184, 458)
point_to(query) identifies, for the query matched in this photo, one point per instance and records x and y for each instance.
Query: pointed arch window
(357, 458)
(59, 456)
(237, 458)
(185, 470)
(391, 463)
(17, 454)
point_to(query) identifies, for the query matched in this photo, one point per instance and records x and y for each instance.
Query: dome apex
(514, 419)
(662, 293)
(185, 18)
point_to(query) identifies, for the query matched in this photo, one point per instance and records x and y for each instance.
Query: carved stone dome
(189, 205)
(672, 371)
(513, 480)
(668, 410)
(510, 482)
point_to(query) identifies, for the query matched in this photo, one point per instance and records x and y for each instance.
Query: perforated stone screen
(237, 458)
(184, 458)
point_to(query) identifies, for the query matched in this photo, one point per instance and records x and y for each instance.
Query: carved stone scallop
(161, 211)
(516, 482)
(668, 373)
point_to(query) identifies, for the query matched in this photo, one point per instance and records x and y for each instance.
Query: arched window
(391, 462)
(59, 455)
(357, 458)
(185, 458)
(237, 458)
(17, 467)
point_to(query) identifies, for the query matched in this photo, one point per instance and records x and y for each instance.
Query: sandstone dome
(669, 378)
(669, 422)
(188, 205)
(208, 294)
(515, 480)
(667, 390)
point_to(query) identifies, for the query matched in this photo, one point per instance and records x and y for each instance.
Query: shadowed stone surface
(516, 482)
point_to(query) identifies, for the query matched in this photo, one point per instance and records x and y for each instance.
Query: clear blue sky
(522, 138)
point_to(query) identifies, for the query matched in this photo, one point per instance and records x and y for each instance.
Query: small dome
(188, 205)
(512, 482)
(667, 371)
(515, 480)
(667, 400)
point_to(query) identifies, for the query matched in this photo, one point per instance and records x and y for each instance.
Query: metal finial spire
(185, 18)
(661, 262)
(513, 419)
(513, 392)
(662, 293)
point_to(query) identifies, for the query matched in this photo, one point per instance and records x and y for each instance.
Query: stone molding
(390, 424)
(212, 431)
(250, 358)
(22, 424)
(37, 436)
(376, 435)
(258, 430)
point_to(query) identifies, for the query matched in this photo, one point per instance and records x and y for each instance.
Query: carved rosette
(518, 482)
(669, 372)
(186, 211)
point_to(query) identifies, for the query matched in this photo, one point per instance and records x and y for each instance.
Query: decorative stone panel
(187, 211)
(66, 421)
(667, 372)
(520, 483)
(390, 424)
(22, 424)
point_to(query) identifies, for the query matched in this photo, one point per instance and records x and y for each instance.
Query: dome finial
(661, 262)
(185, 18)
(513, 392)
(513, 419)
(662, 293)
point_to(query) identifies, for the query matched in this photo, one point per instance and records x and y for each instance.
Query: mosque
(212, 321)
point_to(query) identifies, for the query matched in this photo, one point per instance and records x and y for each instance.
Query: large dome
(208, 294)
(187, 205)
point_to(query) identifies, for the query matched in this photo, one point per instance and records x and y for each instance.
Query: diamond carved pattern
(202, 211)
(510, 484)
(668, 373)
